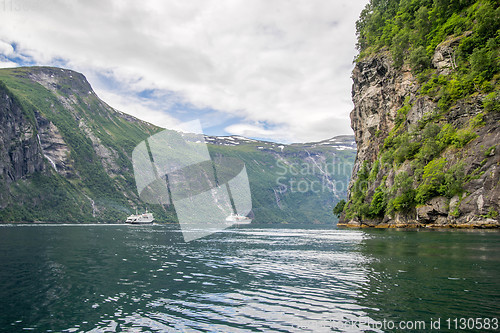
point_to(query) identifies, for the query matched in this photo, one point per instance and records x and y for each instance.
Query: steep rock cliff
(19, 150)
(426, 117)
(379, 91)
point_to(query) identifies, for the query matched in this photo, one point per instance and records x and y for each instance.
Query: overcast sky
(270, 69)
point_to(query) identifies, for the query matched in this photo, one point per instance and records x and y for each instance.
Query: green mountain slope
(86, 144)
(292, 183)
(66, 157)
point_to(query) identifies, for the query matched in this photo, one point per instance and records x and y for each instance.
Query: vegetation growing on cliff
(411, 33)
(412, 29)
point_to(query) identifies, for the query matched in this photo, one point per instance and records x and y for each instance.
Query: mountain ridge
(77, 167)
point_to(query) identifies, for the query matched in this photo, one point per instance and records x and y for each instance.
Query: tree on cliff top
(405, 26)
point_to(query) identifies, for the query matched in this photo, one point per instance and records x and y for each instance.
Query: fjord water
(106, 278)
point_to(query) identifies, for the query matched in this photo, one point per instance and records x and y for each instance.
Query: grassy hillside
(299, 183)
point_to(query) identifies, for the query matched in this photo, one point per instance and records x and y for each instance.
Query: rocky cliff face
(378, 92)
(419, 163)
(20, 153)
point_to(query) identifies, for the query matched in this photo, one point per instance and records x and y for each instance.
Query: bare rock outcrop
(20, 153)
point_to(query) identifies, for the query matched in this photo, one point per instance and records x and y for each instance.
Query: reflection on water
(144, 278)
(419, 275)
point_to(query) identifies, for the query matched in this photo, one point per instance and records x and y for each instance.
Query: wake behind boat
(145, 218)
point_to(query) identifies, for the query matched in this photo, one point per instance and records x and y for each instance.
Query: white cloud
(8, 64)
(6, 49)
(138, 108)
(286, 63)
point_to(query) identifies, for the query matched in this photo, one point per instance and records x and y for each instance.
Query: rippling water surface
(108, 278)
